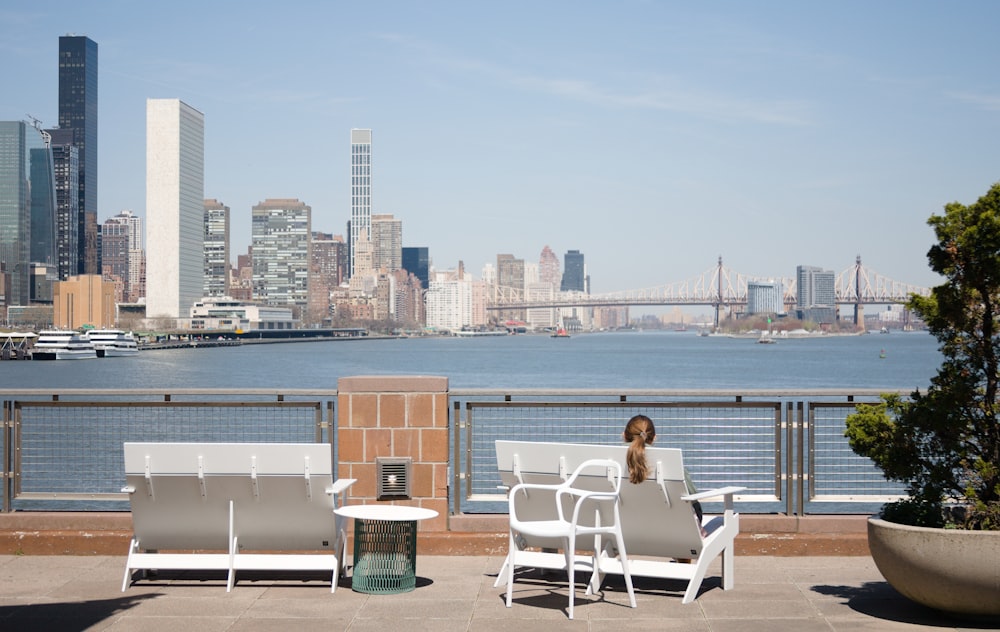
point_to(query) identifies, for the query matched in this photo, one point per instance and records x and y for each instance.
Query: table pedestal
(385, 556)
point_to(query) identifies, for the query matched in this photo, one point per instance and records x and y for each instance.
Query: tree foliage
(945, 443)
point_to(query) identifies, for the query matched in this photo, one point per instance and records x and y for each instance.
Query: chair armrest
(128, 489)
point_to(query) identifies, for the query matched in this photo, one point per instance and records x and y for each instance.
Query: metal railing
(787, 449)
(62, 450)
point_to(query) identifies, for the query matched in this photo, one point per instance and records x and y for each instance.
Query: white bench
(657, 516)
(233, 507)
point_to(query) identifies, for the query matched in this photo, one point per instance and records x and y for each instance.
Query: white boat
(113, 343)
(56, 344)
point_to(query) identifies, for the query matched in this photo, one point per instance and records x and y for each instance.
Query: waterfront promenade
(803, 593)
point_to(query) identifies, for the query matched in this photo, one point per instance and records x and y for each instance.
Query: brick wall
(399, 416)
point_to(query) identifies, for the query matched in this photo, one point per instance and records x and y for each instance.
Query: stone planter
(947, 569)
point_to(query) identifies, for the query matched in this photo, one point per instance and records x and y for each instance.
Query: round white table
(385, 546)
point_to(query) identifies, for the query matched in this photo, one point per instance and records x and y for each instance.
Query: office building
(574, 273)
(816, 294)
(361, 190)
(43, 197)
(387, 243)
(416, 261)
(175, 207)
(26, 190)
(765, 297)
(216, 249)
(78, 114)
(282, 235)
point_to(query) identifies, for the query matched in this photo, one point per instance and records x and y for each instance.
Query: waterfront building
(78, 114)
(86, 299)
(765, 297)
(175, 194)
(574, 278)
(541, 317)
(387, 243)
(416, 260)
(25, 187)
(43, 197)
(281, 238)
(66, 168)
(816, 294)
(361, 191)
(216, 248)
(227, 314)
(449, 304)
(548, 268)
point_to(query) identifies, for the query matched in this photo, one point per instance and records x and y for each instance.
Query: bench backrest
(182, 495)
(655, 521)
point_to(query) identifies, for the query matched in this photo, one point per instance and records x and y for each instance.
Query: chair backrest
(655, 521)
(183, 493)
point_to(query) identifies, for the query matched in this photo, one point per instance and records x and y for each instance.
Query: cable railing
(63, 450)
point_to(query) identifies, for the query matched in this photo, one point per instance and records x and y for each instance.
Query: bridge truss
(724, 288)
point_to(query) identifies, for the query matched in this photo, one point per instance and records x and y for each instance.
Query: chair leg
(510, 570)
(571, 571)
(502, 575)
(625, 570)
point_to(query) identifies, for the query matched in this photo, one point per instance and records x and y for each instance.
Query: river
(619, 360)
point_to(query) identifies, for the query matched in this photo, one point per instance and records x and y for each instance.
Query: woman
(640, 432)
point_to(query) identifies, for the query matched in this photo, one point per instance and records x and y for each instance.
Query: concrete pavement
(65, 592)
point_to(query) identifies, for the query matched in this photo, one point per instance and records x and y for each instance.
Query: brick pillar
(399, 416)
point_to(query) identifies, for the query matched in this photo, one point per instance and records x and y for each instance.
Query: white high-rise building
(361, 188)
(449, 304)
(175, 195)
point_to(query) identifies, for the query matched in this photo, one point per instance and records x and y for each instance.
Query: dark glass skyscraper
(573, 272)
(78, 112)
(416, 261)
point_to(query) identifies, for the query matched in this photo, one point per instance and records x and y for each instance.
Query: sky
(654, 137)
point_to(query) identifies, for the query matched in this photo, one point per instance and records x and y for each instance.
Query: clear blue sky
(652, 136)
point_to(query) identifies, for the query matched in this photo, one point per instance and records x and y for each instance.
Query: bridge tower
(718, 294)
(859, 309)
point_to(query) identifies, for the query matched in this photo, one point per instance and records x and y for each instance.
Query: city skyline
(651, 137)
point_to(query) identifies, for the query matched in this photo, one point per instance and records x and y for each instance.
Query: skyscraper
(387, 243)
(78, 112)
(416, 261)
(175, 207)
(574, 274)
(361, 188)
(66, 163)
(24, 185)
(282, 235)
(216, 248)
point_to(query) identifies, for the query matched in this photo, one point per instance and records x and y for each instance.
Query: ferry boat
(113, 343)
(56, 344)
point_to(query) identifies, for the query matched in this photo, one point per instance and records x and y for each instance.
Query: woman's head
(639, 432)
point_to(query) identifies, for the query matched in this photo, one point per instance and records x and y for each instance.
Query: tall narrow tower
(78, 112)
(175, 207)
(361, 188)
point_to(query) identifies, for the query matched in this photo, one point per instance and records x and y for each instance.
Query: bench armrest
(340, 485)
(713, 493)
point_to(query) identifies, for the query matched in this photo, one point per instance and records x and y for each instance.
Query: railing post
(800, 448)
(7, 451)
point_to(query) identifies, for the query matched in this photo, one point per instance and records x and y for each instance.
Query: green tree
(945, 443)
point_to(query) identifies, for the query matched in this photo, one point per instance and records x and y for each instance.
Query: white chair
(580, 523)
